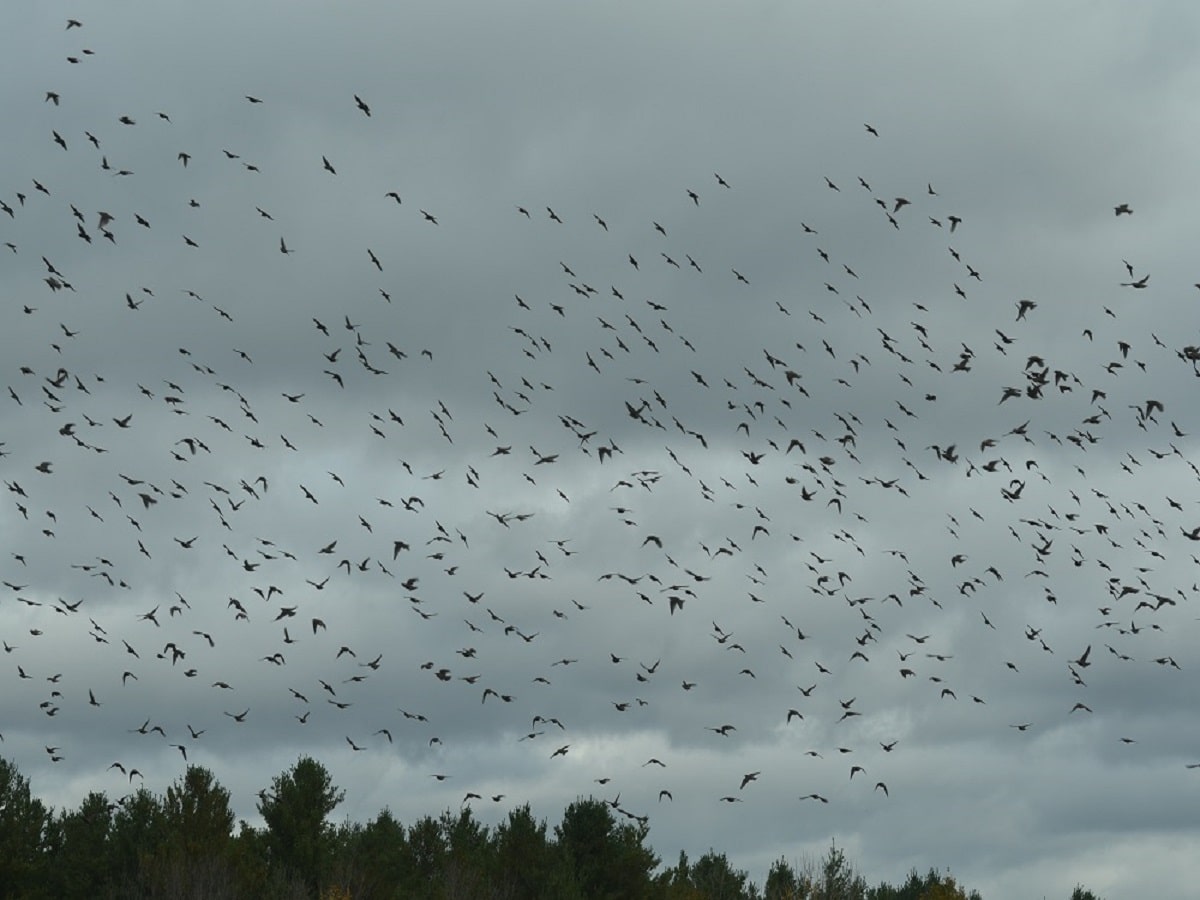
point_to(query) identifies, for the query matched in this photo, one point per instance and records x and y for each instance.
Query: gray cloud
(1027, 125)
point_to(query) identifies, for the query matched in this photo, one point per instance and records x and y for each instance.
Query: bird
(684, 495)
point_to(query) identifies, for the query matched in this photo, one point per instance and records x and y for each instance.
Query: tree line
(184, 845)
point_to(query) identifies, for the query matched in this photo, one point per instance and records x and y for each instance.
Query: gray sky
(986, 578)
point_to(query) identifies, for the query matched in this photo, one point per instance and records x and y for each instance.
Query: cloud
(446, 411)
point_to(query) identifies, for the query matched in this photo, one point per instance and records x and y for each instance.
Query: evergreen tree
(23, 824)
(197, 821)
(467, 865)
(81, 851)
(527, 865)
(837, 879)
(137, 835)
(608, 860)
(713, 876)
(299, 839)
(783, 883)
(427, 852)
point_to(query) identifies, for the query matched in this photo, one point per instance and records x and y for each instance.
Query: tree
(194, 859)
(526, 864)
(197, 815)
(81, 849)
(675, 883)
(181, 846)
(427, 849)
(930, 886)
(837, 879)
(608, 860)
(1082, 893)
(295, 809)
(23, 823)
(372, 859)
(783, 883)
(136, 836)
(945, 888)
(716, 879)
(468, 851)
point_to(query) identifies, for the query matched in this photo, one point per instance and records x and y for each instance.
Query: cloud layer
(664, 398)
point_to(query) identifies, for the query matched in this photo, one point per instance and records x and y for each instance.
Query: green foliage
(182, 846)
(526, 863)
(80, 849)
(197, 815)
(295, 810)
(427, 854)
(930, 886)
(23, 824)
(837, 879)
(712, 875)
(371, 860)
(783, 883)
(193, 859)
(467, 865)
(1082, 893)
(137, 836)
(607, 859)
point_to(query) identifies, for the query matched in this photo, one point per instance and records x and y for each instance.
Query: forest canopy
(186, 844)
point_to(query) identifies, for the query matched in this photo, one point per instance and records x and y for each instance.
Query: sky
(769, 388)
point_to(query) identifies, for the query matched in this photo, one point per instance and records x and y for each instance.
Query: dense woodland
(186, 844)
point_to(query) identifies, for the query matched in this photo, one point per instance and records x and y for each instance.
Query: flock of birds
(199, 548)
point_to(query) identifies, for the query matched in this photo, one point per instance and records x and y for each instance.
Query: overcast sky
(664, 398)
